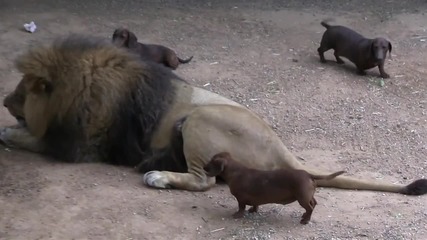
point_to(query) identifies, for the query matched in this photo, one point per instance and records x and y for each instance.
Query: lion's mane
(91, 101)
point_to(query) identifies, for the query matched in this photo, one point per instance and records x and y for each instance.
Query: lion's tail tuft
(417, 187)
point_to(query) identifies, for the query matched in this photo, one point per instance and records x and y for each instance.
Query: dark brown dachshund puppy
(255, 187)
(365, 53)
(122, 37)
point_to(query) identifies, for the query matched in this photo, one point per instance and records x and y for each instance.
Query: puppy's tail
(185, 60)
(325, 23)
(326, 177)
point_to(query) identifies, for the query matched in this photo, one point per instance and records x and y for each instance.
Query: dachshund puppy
(255, 187)
(365, 53)
(122, 37)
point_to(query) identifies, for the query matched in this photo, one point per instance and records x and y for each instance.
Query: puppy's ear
(115, 35)
(221, 165)
(389, 48)
(217, 167)
(132, 41)
(371, 49)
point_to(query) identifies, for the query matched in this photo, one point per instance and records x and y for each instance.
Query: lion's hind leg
(193, 147)
(194, 179)
(209, 130)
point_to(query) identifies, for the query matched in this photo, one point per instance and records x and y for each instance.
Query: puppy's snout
(379, 55)
(117, 42)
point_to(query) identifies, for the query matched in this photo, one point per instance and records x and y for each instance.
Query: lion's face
(27, 98)
(14, 102)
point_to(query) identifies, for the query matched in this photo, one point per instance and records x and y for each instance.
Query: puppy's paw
(253, 209)
(156, 179)
(385, 75)
(305, 218)
(238, 214)
(304, 221)
(361, 72)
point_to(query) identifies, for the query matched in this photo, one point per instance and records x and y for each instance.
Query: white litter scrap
(30, 27)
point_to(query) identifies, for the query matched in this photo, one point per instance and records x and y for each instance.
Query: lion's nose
(5, 101)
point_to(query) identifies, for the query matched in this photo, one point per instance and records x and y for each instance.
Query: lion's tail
(185, 60)
(326, 177)
(417, 187)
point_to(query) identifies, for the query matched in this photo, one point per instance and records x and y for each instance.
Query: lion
(81, 99)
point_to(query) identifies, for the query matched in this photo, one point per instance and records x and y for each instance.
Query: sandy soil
(259, 53)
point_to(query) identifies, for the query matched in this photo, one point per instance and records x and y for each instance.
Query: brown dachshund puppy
(255, 187)
(365, 53)
(122, 37)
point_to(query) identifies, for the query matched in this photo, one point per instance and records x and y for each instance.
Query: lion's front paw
(156, 179)
(6, 136)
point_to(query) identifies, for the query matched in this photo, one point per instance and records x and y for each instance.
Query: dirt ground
(259, 53)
